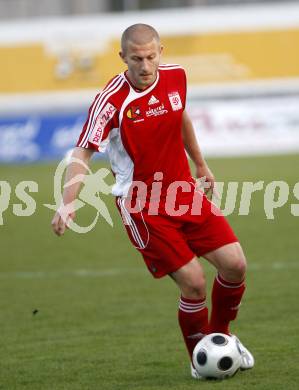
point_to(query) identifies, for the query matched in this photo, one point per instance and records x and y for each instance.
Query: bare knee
(191, 280)
(230, 262)
(194, 287)
(234, 269)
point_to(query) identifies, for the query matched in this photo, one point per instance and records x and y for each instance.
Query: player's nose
(145, 67)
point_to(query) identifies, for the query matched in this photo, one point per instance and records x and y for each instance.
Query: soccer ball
(216, 356)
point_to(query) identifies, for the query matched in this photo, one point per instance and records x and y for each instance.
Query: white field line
(81, 273)
(92, 273)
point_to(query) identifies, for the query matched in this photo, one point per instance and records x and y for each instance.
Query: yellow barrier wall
(208, 58)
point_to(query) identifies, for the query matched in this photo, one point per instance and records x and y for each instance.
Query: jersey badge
(134, 112)
(175, 101)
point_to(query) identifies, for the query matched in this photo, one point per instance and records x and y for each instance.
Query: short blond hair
(140, 34)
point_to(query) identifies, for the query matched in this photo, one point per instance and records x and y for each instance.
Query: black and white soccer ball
(216, 356)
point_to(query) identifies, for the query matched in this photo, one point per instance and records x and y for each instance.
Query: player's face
(142, 61)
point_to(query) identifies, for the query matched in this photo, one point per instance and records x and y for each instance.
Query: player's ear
(122, 56)
(161, 49)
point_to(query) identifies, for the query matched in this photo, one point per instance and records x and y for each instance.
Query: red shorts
(169, 242)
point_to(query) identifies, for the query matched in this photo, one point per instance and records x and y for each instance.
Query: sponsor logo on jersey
(134, 112)
(156, 111)
(102, 120)
(175, 101)
(153, 100)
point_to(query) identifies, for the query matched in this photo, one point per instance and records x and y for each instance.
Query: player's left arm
(193, 150)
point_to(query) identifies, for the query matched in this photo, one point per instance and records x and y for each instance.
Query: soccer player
(140, 119)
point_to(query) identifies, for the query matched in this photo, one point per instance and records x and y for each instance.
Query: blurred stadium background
(74, 312)
(241, 58)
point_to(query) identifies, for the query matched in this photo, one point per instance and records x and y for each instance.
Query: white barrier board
(247, 126)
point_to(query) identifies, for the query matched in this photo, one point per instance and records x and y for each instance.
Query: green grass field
(104, 323)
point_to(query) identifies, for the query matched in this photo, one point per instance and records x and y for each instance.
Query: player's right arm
(101, 119)
(76, 169)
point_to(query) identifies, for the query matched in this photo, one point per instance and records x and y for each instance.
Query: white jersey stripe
(101, 106)
(98, 105)
(91, 116)
(99, 97)
(99, 109)
(102, 99)
(113, 87)
(170, 67)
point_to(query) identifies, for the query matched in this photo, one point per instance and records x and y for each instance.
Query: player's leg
(166, 252)
(229, 285)
(193, 312)
(228, 289)
(210, 236)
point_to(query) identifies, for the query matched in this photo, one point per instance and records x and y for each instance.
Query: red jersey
(142, 134)
(140, 130)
